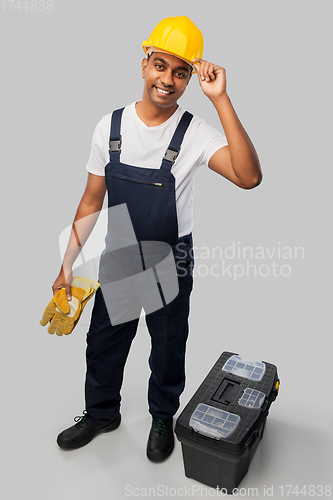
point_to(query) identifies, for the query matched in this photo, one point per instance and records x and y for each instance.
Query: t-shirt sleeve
(208, 141)
(98, 157)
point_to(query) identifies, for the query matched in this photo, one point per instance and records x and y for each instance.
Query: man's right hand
(63, 280)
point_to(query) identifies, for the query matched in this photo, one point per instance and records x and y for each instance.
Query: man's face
(166, 78)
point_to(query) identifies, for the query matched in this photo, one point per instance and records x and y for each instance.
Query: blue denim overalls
(150, 198)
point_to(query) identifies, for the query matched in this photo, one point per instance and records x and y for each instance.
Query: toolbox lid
(252, 398)
(213, 422)
(246, 368)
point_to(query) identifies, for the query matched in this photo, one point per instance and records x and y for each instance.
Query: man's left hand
(212, 78)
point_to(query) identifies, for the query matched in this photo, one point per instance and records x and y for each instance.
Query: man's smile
(163, 91)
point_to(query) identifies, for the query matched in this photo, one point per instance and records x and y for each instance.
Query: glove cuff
(90, 286)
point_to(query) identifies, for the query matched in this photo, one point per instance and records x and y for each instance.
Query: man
(157, 188)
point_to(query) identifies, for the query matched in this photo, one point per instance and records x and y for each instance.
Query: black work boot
(161, 440)
(84, 431)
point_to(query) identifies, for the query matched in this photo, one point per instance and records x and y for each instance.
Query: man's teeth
(162, 91)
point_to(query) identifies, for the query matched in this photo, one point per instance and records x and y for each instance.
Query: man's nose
(167, 78)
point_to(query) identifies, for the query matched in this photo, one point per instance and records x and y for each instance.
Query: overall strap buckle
(115, 136)
(115, 146)
(171, 155)
(173, 149)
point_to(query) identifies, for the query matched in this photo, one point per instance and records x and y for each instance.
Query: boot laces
(161, 427)
(80, 420)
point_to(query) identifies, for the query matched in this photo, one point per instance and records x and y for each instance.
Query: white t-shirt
(145, 146)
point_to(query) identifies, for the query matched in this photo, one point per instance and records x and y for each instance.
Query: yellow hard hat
(178, 36)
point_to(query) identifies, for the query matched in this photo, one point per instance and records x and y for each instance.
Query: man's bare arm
(237, 162)
(84, 221)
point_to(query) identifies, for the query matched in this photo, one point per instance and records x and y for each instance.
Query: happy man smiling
(130, 171)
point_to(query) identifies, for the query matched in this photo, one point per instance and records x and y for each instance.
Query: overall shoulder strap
(174, 147)
(115, 137)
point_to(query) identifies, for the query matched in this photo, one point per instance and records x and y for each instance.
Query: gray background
(62, 71)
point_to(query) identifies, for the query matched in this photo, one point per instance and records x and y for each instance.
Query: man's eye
(181, 75)
(159, 66)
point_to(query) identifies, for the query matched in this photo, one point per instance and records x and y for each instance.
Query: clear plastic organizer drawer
(251, 398)
(213, 422)
(246, 368)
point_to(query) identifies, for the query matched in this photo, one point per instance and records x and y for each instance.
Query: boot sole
(159, 457)
(106, 428)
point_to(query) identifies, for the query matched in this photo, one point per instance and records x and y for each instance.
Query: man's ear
(143, 66)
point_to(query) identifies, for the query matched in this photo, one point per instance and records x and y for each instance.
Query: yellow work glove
(62, 314)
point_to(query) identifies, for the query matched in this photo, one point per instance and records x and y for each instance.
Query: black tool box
(221, 426)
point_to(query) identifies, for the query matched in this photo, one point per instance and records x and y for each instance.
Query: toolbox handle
(226, 392)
